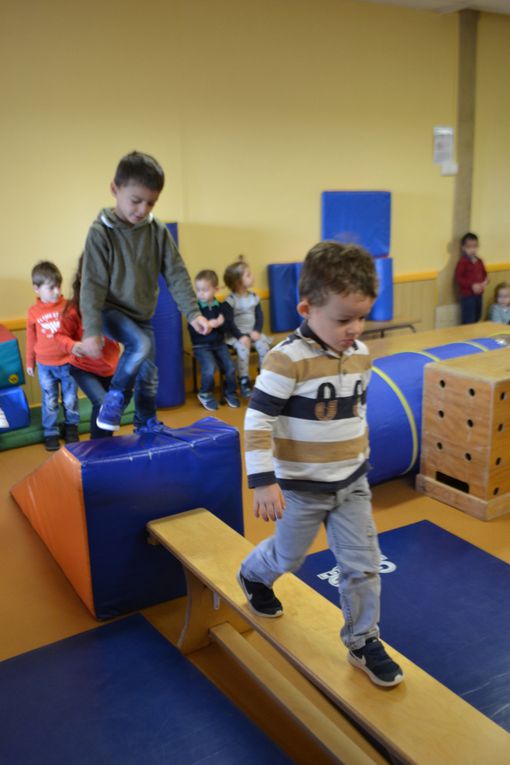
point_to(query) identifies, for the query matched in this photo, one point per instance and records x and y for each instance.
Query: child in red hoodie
(43, 321)
(93, 375)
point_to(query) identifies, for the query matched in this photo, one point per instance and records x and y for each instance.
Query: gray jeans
(352, 537)
(262, 346)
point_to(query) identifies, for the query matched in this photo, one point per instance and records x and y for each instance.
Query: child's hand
(30, 371)
(478, 288)
(77, 350)
(92, 346)
(220, 320)
(201, 325)
(246, 341)
(268, 502)
(255, 335)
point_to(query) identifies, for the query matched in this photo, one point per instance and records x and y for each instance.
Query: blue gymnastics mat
(446, 606)
(121, 695)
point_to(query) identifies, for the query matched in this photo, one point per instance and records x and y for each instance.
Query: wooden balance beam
(419, 722)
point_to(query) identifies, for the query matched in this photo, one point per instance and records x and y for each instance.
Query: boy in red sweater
(471, 276)
(93, 375)
(43, 321)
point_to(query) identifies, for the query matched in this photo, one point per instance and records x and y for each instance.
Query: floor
(38, 605)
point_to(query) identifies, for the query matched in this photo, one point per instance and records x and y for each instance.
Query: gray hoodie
(121, 265)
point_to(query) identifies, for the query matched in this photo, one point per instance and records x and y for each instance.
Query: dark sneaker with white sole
(208, 401)
(111, 411)
(374, 660)
(232, 400)
(261, 599)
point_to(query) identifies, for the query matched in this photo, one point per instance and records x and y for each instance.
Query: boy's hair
(142, 169)
(500, 286)
(208, 276)
(468, 238)
(74, 301)
(234, 273)
(334, 268)
(44, 271)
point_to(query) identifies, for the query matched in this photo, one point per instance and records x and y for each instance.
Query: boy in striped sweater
(307, 451)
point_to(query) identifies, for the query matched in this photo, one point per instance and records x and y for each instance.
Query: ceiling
(450, 6)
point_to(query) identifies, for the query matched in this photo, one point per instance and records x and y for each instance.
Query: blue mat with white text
(445, 606)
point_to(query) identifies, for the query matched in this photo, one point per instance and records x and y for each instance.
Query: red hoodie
(469, 272)
(43, 321)
(71, 332)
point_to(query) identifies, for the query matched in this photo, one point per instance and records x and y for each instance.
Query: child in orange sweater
(43, 321)
(93, 375)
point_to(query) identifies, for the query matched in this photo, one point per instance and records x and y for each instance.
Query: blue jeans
(211, 357)
(470, 309)
(50, 377)
(352, 537)
(137, 364)
(94, 387)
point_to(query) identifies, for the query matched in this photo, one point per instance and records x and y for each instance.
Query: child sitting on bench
(307, 451)
(243, 320)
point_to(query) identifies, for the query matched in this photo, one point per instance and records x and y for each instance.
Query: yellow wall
(491, 210)
(252, 108)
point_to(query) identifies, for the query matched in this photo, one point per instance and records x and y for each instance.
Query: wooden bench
(419, 722)
(381, 327)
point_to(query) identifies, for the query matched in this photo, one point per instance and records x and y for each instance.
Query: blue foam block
(445, 607)
(361, 217)
(131, 480)
(167, 325)
(14, 405)
(121, 695)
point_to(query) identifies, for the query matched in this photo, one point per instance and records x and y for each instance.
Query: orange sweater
(71, 332)
(43, 321)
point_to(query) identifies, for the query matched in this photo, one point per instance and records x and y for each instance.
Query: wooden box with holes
(465, 451)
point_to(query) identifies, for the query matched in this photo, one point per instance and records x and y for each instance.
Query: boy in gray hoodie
(126, 249)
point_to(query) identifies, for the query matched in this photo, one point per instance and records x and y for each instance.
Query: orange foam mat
(52, 499)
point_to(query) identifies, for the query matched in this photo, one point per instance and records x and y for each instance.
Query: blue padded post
(283, 278)
(167, 325)
(130, 480)
(14, 404)
(382, 310)
(363, 217)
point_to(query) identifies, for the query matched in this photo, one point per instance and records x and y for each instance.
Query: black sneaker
(71, 434)
(261, 599)
(245, 387)
(374, 660)
(51, 443)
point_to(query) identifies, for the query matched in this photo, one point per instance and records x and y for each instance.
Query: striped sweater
(305, 426)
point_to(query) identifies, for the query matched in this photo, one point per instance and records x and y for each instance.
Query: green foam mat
(33, 434)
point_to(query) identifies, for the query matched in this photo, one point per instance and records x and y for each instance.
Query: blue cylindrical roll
(382, 309)
(167, 325)
(394, 405)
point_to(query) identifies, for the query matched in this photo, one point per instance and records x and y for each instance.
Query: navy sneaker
(51, 443)
(374, 660)
(245, 387)
(71, 435)
(232, 400)
(261, 599)
(208, 401)
(153, 426)
(111, 411)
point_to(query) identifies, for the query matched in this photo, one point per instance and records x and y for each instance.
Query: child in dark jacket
(210, 350)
